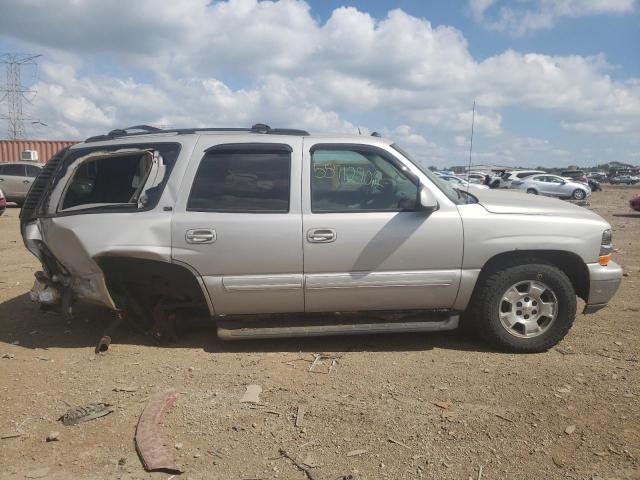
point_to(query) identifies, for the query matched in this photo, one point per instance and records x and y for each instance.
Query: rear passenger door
(238, 223)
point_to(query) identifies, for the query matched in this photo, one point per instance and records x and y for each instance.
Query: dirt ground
(393, 407)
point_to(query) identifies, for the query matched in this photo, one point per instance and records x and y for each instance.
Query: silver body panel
(255, 263)
(269, 263)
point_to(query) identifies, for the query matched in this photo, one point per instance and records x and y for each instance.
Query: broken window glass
(108, 179)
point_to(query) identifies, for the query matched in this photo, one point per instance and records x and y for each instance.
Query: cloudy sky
(556, 82)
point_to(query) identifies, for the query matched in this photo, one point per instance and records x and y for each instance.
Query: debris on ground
(565, 350)
(300, 415)
(391, 440)
(355, 453)
(311, 460)
(8, 355)
(149, 442)
(7, 436)
(84, 413)
(320, 359)
(126, 389)
(53, 437)
(252, 394)
(442, 405)
(310, 475)
(570, 429)
(39, 473)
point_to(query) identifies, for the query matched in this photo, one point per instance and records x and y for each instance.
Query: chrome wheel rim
(528, 308)
(579, 194)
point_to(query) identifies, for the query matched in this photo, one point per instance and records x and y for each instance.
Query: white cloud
(237, 62)
(530, 15)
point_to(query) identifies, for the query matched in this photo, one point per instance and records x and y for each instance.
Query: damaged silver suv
(276, 232)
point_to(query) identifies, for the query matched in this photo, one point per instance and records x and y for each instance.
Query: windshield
(454, 194)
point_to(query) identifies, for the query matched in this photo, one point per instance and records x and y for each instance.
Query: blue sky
(556, 82)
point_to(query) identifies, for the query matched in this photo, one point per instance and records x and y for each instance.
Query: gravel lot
(396, 407)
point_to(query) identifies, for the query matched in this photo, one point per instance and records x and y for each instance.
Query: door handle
(321, 235)
(200, 235)
(26, 181)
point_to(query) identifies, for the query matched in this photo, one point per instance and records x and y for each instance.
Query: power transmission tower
(15, 92)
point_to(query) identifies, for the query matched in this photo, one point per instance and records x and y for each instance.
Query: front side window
(344, 180)
(32, 171)
(242, 181)
(13, 170)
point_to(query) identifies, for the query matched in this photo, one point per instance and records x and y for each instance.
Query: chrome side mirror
(427, 202)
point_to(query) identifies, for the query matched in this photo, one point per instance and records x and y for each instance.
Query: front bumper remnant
(603, 284)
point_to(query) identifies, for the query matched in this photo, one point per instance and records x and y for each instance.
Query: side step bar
(243, 330)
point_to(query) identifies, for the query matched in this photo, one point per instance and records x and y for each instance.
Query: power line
(14, 92)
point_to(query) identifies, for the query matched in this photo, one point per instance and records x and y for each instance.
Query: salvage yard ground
(392, 407)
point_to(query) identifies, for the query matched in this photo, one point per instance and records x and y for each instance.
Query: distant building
(32, 150)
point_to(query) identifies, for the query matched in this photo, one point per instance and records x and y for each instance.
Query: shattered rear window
(113, 178)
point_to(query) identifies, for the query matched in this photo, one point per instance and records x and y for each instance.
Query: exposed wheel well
(570, 263)
(149, 281)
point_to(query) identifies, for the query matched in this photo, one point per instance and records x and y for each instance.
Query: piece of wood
(300, 415)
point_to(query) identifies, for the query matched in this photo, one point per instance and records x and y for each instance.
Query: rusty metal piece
(105, 341)
(103, 344)
(84, 413)
(149, 442)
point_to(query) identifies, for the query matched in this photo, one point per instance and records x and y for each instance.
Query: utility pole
(14, 92)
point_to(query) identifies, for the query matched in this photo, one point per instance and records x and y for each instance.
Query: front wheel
(524, 308)
(532, 191)
(578, 194)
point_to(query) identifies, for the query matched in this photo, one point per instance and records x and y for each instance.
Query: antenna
(15, 92)
(473, 120)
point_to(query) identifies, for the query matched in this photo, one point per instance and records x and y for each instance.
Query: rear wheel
(532, 191)
(578, 194)
(524, 307)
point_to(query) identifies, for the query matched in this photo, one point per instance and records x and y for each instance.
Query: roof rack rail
(147, 129)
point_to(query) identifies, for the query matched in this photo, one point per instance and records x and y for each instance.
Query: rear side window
(13, 170)
(242, 180)
(111, 179)
(525, 174)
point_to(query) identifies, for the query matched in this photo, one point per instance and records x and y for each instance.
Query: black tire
(485, 305)
(578, 194)
(532, 191)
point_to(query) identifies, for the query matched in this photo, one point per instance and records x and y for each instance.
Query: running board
(243, 330)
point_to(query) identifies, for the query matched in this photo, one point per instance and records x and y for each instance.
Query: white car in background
(553, 186)
(474, 177)
(462, 184)
(507, 178)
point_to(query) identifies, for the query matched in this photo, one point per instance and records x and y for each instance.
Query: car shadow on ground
(22, 321)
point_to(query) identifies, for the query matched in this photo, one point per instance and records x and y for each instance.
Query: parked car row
(624, 180)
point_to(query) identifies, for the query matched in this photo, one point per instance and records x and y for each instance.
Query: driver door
(366, 245)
